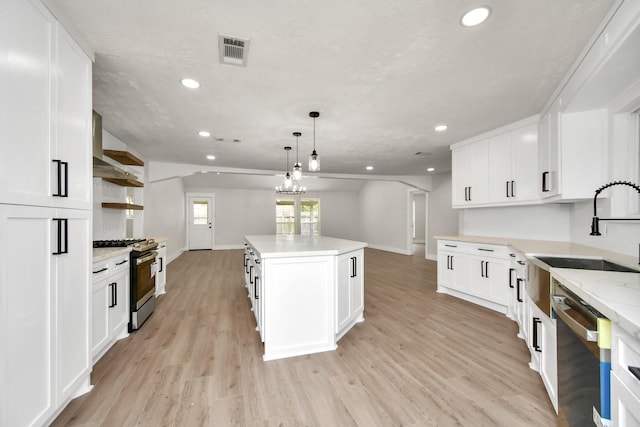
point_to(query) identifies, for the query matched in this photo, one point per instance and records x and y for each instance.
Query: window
(200, 212)
(285, 216)
(310, 217)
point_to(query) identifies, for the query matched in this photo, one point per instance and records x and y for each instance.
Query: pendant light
(290, 185)
(314, 159)
(297, 168)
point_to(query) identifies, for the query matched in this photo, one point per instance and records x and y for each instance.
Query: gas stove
(116, 243)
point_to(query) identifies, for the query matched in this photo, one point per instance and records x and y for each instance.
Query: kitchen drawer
(101, 270)
(625, 405)
(453, 246)
(625, 352)
(493, 251)
(119, 263)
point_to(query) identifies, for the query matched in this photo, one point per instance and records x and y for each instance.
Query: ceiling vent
(232, 50)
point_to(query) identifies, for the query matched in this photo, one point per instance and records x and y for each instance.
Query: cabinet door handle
(354, 271)
(255, 286)
(161, 265)
(486, 269)
(511, 271)
(507, 191)
(545, 181)
(251, 274)
(62, 184)
(451, 262)
(518, 297)
(482, 268)
(513, 191)
(536, 345)
(112, 287)
(62, 236)
(469, 193)
(448, 260)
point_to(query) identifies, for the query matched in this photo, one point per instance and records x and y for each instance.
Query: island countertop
(278, 246)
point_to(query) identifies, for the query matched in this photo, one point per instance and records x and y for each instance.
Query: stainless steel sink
(585, 264)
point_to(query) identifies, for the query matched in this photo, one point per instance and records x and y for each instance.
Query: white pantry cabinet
(110, 303)
(625, 386)
(350, 291)
(44, 325)
(45, 127)
(45, 216)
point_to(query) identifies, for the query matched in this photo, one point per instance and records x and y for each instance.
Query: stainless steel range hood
(102, 169)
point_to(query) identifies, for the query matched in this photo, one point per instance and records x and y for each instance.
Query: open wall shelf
(123, 157)
(122, 206)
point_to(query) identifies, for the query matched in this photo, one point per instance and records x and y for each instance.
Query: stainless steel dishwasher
(584, 360)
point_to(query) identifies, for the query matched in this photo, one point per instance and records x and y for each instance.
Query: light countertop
(101, 254)
(614, 294)
(279, 246)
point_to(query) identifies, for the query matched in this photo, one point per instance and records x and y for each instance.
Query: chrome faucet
(595, 229)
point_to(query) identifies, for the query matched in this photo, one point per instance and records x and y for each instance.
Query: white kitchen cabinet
(46, 111)
(161, 274)
(572, 156)
(45, 216)
(549, 359)
(110, 314)
(470, 174)
(625, 386)
(453, 266)
(476, 273)
(44, 298)
(349, 291)
(513, 168)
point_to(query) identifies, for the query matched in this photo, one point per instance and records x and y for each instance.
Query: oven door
(144, 282)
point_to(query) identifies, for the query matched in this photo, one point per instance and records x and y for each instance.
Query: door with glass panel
(286, 216)
(310, 217)
(200, 214)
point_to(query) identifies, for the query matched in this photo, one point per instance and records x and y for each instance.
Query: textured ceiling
(381, 73)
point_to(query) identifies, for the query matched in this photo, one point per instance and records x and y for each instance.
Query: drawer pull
(121, 262)
(101, 270)
(485, 250)
(451, 246)
(635, 371)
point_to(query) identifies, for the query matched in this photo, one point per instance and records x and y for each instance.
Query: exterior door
(200, 214)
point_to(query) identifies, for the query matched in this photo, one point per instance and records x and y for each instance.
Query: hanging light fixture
(290, 185)
(297, 167)
(314, 159)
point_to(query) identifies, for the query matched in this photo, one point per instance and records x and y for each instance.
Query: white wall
(538, 222)
(384, 216)
(442, 219)
(164, 214)
(240, 212)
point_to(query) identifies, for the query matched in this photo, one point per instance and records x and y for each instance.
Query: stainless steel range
(142, 277)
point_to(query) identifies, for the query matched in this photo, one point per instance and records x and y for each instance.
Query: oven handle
(146, 258)
(584, 333)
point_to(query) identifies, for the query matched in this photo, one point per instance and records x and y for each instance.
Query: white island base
(306, 292)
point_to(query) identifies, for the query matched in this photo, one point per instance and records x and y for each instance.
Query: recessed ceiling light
(430, 169)
(211, 157)
(369, 168)
(190, 83)
(441, 128)
(475, 16)
(204, 133)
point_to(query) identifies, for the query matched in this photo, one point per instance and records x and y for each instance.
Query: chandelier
(290, 186)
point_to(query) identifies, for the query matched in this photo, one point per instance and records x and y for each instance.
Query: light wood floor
(419, 359)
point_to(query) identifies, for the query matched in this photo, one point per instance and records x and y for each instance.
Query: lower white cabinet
(161, 274)
(625, 386)
(549, 359)
(45, 356)
(110, 303)
(349, 291)
(476, 273)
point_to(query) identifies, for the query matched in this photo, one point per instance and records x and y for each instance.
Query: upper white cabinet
(45, 156)
(572, 154)
(470, 174)
(513, 165)
(498, 167)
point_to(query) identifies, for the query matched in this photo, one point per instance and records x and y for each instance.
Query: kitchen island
(306, 292)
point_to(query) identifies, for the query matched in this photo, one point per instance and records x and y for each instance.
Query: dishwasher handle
(583, 332)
